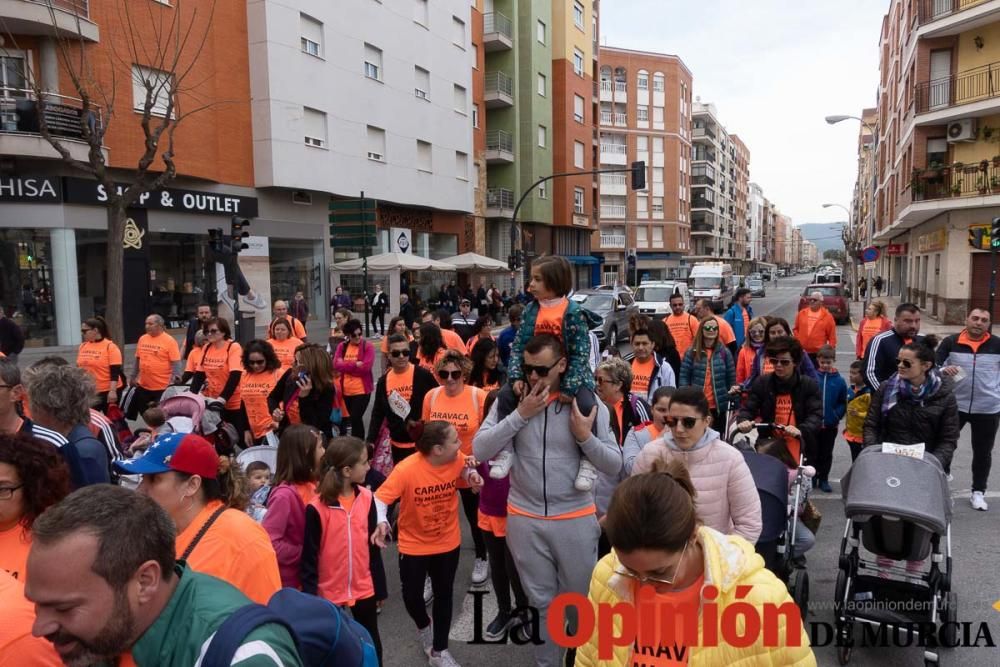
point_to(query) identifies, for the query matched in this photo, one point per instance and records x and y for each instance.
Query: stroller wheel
(839, 591)
(845, 642)
(798, 588)
(844, 654)
(949, 616)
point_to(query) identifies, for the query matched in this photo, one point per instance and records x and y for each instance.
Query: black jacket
(423, 382)
(379, 301)
(314, 409)
(635, 411)
(935, 423)
(408, 313)
(11, 336)
(880, 356)
(807, 404)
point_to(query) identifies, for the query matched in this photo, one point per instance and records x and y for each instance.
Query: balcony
(613, 184)
(940, 18)
(498, 34)
(702, 228)
(705, 177)
(703, 132)
(702, 155)
(612, 241)
(974, 92)
(614, 91)
(615, 119)
(499, 91)
(20, 133)
(499, 203)
(612, 211)
(499, 147)
(33, 17)
(613, 154)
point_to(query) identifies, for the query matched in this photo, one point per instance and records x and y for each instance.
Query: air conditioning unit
(962, 131)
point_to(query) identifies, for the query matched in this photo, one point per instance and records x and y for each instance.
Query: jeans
(984, 433)
(441, 569)
(804, 540)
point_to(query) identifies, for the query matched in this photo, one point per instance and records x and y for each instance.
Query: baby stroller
(193, 413)
(770, 461)
(897, 507)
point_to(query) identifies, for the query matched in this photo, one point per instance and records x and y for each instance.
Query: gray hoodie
(547, 457)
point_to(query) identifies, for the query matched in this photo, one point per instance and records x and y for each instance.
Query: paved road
(975, 540)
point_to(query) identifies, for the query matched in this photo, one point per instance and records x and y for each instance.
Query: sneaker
(501, 463)
(523, 630)
(257, 300)
(428, 591)
(585, 476)
(426, 637)
(825, 487)
(951, 478)
(978, 501)
(442, 659)
(480, 571)
(228, 300)
(499, 626)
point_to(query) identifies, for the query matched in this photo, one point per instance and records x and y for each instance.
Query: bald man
(281, 311)
(157, 365)
(815, 327)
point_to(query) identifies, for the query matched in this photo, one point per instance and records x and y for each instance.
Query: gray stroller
(900, 508)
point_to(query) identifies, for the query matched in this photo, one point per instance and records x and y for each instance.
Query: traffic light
(215, 239)
(639, 175)
(995, 234)
(237, 234)
(630, 260)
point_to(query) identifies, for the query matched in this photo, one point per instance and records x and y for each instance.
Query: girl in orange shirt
(431, 347)
(748, 351)
(102, 359)
(261, 373)
(284, 343)
(874, 322)
(429, 537)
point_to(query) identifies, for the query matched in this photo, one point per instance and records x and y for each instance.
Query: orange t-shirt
(14, 546)
(298, 331)
(193, 360)
(726, 334)
(974, 344)
(472, 343)
(217, 364)
(746, 322)
(464, 412)
(156, 355)
(655, 650)
(17, 645)
(429, 364)
(550, 318)
(353, 385)
(654, 431)
(254, 389)
(620, 414)
(97, 358)
(642, 373)
(285, 350)
(428, 509)
(812, 317)
(784, 414)
(683, 328)
(235, 549)
(452, 340)
(709, 389)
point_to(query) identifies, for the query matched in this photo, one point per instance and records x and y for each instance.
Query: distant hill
(826, 235)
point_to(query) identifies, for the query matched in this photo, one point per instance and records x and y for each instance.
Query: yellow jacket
(729, 561)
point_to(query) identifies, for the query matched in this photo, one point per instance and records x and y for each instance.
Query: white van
(653, 297)
(712, 281)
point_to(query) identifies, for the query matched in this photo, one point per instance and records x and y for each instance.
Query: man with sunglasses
(815, 327)
(551, 526)
(883, 348)
(399, 398)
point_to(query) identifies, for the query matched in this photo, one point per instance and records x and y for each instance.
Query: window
(462, 165)
(542, 136)
(475, 116)
(460, 103)
(314, 126)
(641, 240)
(578, 107)
(578, 15)
(312, 35)
(424, 156)
(373, 62)
(540, 32)
(642, 205)
(578, 153)
(458, 31)
(658, 115)
(642, 114)
(541, 85)
(578, 198)
(421, 83)
(475, 56)
(376, 143)
(543, 192)
(657, 145)
(658, 83)
(642, 143)
(643, 83)
(657, 237)
(657, 174)
(658, 205)
(578, 62)
(156, 86)
(420, 12)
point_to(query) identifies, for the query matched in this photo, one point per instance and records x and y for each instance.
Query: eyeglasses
(540, 371)
(601, 380)
(905, 363)
(687, 422)
(256, 362)
(625, 572)
(780, 362)
(454, 375)
(7, 492)
(399, 353)
(214, 331)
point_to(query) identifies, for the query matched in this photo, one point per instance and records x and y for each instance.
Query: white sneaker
(978, 501)
(428, 591)
(480, 571)
(442, 659)
(257, 301)
(585, 476)
(426, 637)
(501, 463)
(951, 478)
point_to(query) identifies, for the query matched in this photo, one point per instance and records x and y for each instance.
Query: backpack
(324, 634)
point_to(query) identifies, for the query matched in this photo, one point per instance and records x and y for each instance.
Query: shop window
(26, 284)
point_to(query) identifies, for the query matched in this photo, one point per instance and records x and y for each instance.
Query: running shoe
(428, 591)
(442, 659)
(978, 502)
(480, 571)
(228, 300)
(501, 463)
(499, 626)
(426, 636)
(257, 300)
(585, 476)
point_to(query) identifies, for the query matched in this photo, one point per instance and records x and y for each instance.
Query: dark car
(615, 307)
(833, 299)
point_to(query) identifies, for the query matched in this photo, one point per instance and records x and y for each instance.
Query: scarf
(897, 389)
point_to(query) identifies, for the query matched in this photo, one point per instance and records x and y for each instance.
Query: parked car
(756, 287)
(653, 298)
(833, 298)
(614, 306)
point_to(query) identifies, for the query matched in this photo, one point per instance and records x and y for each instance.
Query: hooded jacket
(979, 391)
(730, 562)
(833, 393)
(807, 404)
(576, 326)
(727, 498)
(663, 376)
(723, 373)
(735, 318)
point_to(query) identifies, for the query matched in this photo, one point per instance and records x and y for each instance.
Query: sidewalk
(928, 324)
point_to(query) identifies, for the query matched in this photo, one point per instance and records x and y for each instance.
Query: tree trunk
(113, 291)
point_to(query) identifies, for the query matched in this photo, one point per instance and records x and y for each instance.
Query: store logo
(133, 235)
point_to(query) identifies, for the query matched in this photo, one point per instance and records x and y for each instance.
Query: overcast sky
(774, 69)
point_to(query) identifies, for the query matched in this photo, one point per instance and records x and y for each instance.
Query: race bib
(399, 405)
(913, 451)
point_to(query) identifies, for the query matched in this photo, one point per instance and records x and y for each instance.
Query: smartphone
(303, 376)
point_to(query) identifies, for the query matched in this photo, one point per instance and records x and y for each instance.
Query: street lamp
(849, 236)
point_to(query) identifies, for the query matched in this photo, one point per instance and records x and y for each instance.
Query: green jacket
(575, 338)
(199, 605)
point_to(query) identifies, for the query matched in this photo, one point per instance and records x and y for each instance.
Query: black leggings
(357, 405)
(825, 441)
(378, 317)
(470, 504)
(503, 573)
(365, 612)
(441, 569)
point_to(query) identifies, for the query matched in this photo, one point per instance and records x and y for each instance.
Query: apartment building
(644, 107)
(740, 183)
(937, 160)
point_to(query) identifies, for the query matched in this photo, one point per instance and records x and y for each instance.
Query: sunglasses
(710, 328)
(444, 375)
(687, 422)
(780, 362)
(905, 363)
(212, 331)
(399, 353)
(256, 362)
(541, 371)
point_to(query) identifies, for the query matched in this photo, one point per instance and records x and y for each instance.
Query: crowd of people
(576, 471)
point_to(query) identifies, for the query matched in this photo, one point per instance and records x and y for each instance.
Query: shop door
(980, 291)
(136, 304)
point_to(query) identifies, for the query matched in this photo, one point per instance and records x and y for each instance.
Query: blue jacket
(504, 342)
(723, 374)
(833, 390)
(735, 318)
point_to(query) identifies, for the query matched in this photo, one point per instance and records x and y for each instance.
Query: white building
(756, 214)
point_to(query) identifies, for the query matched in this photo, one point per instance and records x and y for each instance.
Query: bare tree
(179, 36)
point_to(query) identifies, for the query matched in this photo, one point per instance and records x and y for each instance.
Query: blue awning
(582, 259)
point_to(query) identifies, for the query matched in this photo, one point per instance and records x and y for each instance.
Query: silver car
(756, 287)
(614, 306)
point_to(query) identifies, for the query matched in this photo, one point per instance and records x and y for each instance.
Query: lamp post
(849, 236)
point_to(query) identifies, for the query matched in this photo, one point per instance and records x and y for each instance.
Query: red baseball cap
(181, 452)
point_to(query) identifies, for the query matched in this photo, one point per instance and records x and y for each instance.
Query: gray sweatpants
(552, 557)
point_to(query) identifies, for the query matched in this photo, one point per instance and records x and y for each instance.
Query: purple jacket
(493, 495)
(366, 352)
(285, 523)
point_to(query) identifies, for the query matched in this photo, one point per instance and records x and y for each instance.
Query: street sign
(870, 254)
(896, 249)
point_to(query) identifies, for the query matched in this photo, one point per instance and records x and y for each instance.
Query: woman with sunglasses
(754, 342)
(487, 372)
(709, 365)
(777, 327)
(644, 434)
(261, 373)
(219, 372)
(102, 359)
(284, 343)
(354, 360)
(658, 541)
(727, 496)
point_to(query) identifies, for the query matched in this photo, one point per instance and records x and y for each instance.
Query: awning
(582, 259)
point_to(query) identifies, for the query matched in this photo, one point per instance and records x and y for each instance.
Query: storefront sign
(61, 120)
(932, 241)
(401, 240)
(86, 191)
(34, 189)
(895, 249)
